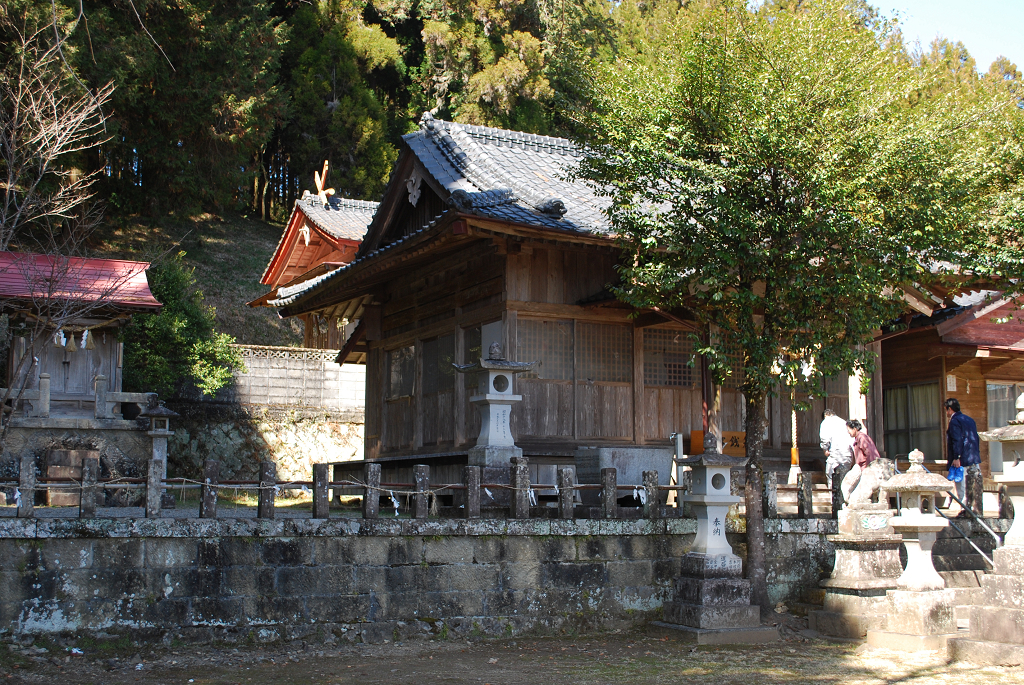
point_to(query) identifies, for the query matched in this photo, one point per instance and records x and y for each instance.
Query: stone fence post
(421, 498)
(100, 410)
(87, 500)
(652, 502)
(268, 482)
(42, 405)
(27, 487)
(609, 493)
(804, 496)
(321, 499)
(520, 478)
(771, 495)
(371, 494)
(154, 487)
(471, 478)
(566, 493)
(208, 498)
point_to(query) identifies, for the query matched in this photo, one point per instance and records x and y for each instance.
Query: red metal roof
(27, 276)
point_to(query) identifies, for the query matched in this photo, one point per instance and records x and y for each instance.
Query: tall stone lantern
(159, 429)
(712, 598)
(921, 611)
(495, 446)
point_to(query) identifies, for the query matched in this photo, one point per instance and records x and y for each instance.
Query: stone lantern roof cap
(1011, 433)
(916, 479)
(713, 459)
(159, 411)
(496, 365)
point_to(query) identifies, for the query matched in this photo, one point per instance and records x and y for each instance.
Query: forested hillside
(223, 109)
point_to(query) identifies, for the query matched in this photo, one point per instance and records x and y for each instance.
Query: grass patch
(229, 253)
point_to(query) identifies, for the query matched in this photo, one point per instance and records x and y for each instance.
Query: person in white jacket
(837, 443)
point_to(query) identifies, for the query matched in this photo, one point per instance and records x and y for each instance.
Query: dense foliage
(179, 347)
(785, 173)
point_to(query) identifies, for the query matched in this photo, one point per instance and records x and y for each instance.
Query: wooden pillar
(566, 492)
(371, 492)
(609, 493)
(471, 476)
(27, 487)
(268, 481)
(520, 480)
(87, 500)
(652, 505)
(321, 497)
(421, 499)
(208, 493)
(638, 388)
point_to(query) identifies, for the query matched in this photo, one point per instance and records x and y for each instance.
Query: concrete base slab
(721, 636)
(984, 653)
(901, 642)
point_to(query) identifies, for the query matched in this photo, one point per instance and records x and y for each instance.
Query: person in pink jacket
(864, 452)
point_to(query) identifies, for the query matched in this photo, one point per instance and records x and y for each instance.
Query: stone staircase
(961, 566)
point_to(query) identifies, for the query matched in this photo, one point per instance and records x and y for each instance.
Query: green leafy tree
(332, 60)
(178, 347)
(197, 96)
(775, 172)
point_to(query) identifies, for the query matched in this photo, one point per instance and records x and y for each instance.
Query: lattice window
(401, 371)
(734, 354)
(669, 359)
(438, 373)
(549, 342)
(604, 353)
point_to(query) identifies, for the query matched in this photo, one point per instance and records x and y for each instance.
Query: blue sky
(988, 28)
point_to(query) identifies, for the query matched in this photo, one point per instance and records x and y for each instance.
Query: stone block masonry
(364, 579)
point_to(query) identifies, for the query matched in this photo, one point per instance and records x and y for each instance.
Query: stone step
(962, 579)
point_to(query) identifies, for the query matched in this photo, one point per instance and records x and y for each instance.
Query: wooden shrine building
(479, 238)
(93, 299)
(972, 349)
(322, 234)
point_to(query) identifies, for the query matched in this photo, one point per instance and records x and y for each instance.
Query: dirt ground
(634, 658)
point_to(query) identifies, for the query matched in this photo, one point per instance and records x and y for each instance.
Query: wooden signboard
(734, 444)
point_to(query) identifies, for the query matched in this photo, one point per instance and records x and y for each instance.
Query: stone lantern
(160, 429)
(495, 446)
(920, 613)
(712, 598)
(1011, 437)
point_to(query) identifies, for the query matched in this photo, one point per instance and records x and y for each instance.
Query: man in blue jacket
(962, 450)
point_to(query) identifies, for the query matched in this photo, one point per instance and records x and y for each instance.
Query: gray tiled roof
(341, 218)
(509, 175)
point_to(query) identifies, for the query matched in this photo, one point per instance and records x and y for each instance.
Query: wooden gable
(999, 324)
(303, 246)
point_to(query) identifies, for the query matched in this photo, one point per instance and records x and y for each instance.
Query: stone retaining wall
(239, 437)
(371, 580)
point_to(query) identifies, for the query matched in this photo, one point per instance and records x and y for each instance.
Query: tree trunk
(756, 571)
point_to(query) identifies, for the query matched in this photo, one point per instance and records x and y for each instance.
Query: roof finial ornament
(320, 178)
(427, 121)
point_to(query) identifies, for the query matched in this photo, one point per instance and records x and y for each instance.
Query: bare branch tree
(45, 120)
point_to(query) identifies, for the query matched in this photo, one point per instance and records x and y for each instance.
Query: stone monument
(495, 446)
(996, 636)
(712, 599)
(920, 612)
(866, 567)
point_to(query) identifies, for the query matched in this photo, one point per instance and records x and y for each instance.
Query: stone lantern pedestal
(920, 612)
(712, 599)
(997, 619)
(866, 568)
